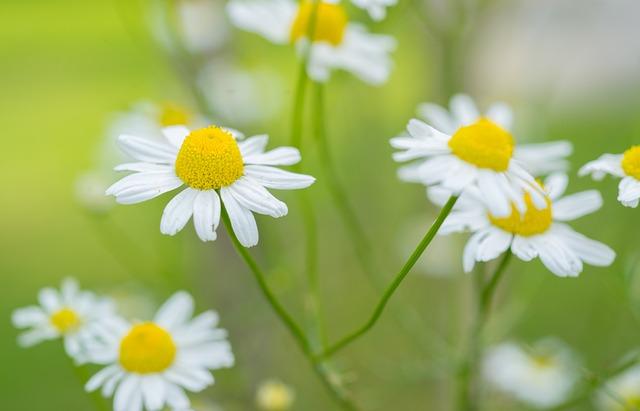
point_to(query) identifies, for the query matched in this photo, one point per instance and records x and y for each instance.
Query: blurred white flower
(240, 96)
(68, 313)
(150, 364)
(89, 191)
(480, 153)
(542, 376)
(203, 25)
(215, 167)
(273, 395)
(529, 234)
(377, 9)
(625, 166)
(621, 393)
(337, 43)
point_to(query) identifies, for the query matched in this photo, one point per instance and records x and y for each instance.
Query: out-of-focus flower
(150, 364)
(89, 191)
(625, 166)
(133, 300)
(203, 25)
(541, 376)
(273, 395)
(200, 404)
(214, 166)
(336, 43)
(529, 234)
(377, 9)
(621, 393)
(240, 96)
(478, 154)
(68, 313)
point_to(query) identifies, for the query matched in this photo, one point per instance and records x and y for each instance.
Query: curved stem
(336, 391)
(338, 194)
(469, 391)
(393, 286)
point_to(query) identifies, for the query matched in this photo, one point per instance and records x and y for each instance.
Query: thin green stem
(395, 283)
(319, 367)
(338, 194)
(469, 389)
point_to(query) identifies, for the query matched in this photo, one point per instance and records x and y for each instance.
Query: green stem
(469, 388)
(336, 391)
(338, 194)
(393, 286)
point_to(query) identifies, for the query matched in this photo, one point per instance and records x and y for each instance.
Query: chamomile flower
(621, 393)
(466, 149)
(214, 167)
(377, 9)
(68, 313)
(530, 233)
(273, 395)
(149, 365)
(337, 43)
(625, 166)
(541, 376)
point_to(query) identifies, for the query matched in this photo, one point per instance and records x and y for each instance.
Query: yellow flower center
(631, 162)
(147, 349)
(274, 396)
(209, 159)
(173, 115)
(65, 320)
(532, 222)
(330, 22)
(484, 144)
(543, 361)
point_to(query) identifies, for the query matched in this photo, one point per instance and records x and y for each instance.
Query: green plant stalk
(395, 283)
(337, 393)
(469, 388)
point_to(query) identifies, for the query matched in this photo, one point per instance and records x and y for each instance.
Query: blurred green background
(65, 68)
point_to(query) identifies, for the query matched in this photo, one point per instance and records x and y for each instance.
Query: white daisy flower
(274, 395)
(213, 166)
(377, 9)
(541, 376)
(337, 43)
(621, 393)
(151, 364)
(68, 313)
(466, 149)
(533, 233)
(625, 166)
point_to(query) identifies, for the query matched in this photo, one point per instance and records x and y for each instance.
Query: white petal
(464, 109)
(555, 185)
(176, 135)
(242, 220)
(495, 198)
(523, 248)
(577, 205)
(590, 251)
(605, 164)
(206, 214)
(142, 167)
(139, 187)
(153, 392)
(281, 156)
(493, 244)
(270, 19)
(501, 114)
(256, 198)
(98, 379)
(178, 212)
(544, 158)
(470, 250)
(629, 191)
(128, 394)
(557, 256)
(36, 336)
(176, 398)
(193, 379)
(438, 117)
(28, 317)
(50, 300)
(272, 177)
(146, 150)
(253, 145)
(177, 310)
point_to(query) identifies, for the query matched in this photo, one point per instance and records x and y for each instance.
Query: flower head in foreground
(465, 149)
(625, 166)
(68, 313)
(533, 233)
(621, 393)
(541, 376)
(274, 395)
(150, 364)
(214, 166)
(336, 44)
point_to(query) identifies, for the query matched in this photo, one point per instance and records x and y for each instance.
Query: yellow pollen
(484, 144)
(173, 115)
(331, 22)
(147, 349)
(65, 320)
(533, 221)
(631, 162)
(209, 159)
(543, 361)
